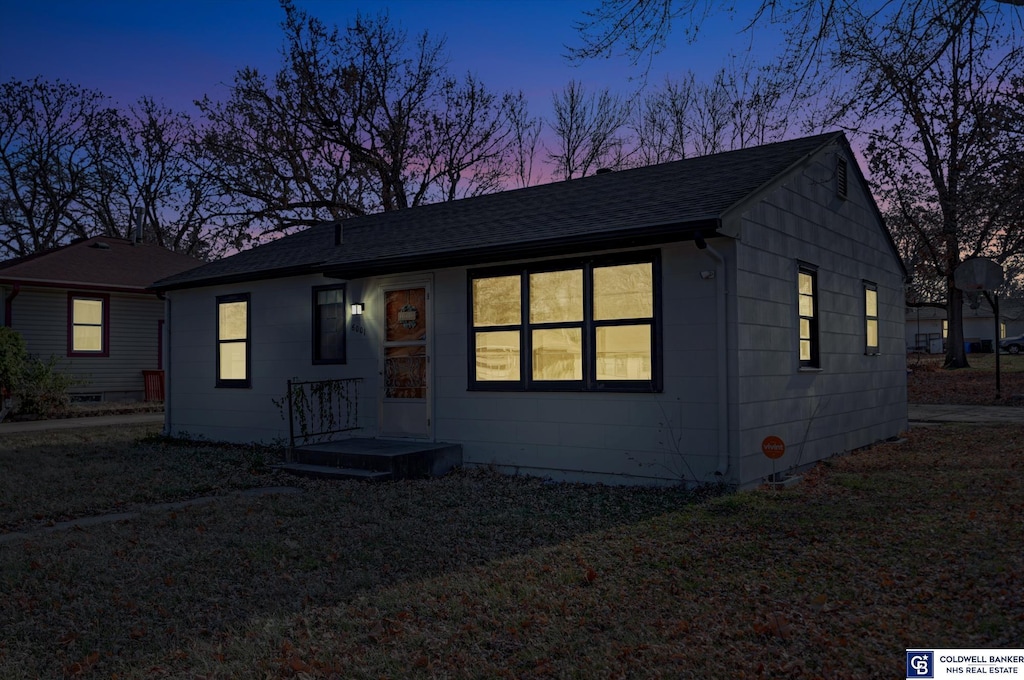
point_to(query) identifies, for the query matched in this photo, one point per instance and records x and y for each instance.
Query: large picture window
(575, 325)
(329, 324)
(233, 351)
(88, 325)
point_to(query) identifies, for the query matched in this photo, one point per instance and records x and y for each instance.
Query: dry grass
(929, 383)
(475, 575)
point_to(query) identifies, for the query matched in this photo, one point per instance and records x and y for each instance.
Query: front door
(405, 408)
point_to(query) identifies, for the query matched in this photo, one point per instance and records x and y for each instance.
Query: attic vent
(100, 245)
(841, 185)
(603, 171)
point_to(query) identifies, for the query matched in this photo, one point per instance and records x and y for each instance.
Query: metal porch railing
(322, 407)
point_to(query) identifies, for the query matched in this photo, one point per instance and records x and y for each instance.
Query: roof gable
(659, 203)
(98, 262)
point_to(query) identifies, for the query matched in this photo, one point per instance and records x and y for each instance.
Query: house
(645, 326)
(88, 303)
(926, 326)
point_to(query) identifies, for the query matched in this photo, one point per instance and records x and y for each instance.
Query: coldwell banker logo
(919, 664)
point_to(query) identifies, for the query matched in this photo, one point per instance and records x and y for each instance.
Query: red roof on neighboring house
(98, 262)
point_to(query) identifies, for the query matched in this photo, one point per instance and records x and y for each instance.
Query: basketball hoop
(975, 275)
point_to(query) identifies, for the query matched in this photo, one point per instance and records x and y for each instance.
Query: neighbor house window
(233, 342)
(870, 318)
(579, 325)
(945, 328)
(329, 324)
(807, 291)
(88, 325)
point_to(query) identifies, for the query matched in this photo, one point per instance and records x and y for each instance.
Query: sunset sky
(179, 50)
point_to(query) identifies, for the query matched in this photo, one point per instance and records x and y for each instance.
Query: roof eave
(73, 285)
(242, 277)
(625, 238)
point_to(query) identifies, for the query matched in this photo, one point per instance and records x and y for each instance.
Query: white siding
(596, 436)
(854, 399)
(281, 336)
(612, 437)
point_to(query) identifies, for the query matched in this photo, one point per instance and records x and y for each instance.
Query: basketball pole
(981, 275)
(993, 301)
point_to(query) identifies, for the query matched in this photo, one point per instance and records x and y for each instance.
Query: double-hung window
(807, 294)
(870, 318)
(329, 324)
(234, 364)
(568, 325)
(88, 325)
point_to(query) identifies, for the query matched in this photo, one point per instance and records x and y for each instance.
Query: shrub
(13, 360)
(44, 389)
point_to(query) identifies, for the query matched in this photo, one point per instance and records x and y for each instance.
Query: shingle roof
(98, 262)
(656, 202)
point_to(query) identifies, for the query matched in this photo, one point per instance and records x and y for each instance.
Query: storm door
(405, 408)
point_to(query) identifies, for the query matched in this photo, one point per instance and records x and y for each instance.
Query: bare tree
(526, 131)
(356, 121)
(150, 167)
(638, 28)
(75, 166)
(940, 82)
(51, 140)
(739, 107)
(661, 122)
(932, 85)
(588, 130)
(275, 170)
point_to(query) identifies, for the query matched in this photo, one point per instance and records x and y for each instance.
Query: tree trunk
(956, 354)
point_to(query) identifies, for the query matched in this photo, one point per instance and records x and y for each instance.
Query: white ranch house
(646, 326)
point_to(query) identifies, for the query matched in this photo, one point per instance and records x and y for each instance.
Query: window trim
(588, 326)
(869, 349)
(234, 382)
(814, 329)
(104, 299)
(315, 348)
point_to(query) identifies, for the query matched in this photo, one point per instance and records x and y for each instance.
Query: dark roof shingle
(98, 262)
(594, 209)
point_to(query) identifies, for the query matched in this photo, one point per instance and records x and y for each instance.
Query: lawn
(929, 383)
(909, 544)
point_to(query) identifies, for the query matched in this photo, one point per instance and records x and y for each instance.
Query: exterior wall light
(357, 308)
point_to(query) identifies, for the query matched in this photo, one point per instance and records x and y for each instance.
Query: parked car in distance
(1014, 345)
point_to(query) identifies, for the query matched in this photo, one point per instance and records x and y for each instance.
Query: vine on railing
(322, 407)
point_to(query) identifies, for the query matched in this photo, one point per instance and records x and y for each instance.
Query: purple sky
(179, 50)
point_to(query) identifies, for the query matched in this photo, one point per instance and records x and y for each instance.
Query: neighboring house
(88, 304)
(926, 326)
(643, 326)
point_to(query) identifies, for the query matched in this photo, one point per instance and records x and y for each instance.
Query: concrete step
(331, 472)
(399, 459)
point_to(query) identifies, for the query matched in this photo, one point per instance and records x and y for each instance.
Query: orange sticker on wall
(773, 447)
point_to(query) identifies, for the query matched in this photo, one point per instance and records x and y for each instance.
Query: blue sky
(179, 50)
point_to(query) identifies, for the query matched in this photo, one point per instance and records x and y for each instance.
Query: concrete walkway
(84, 522)
(90, 421)
(947, 413)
